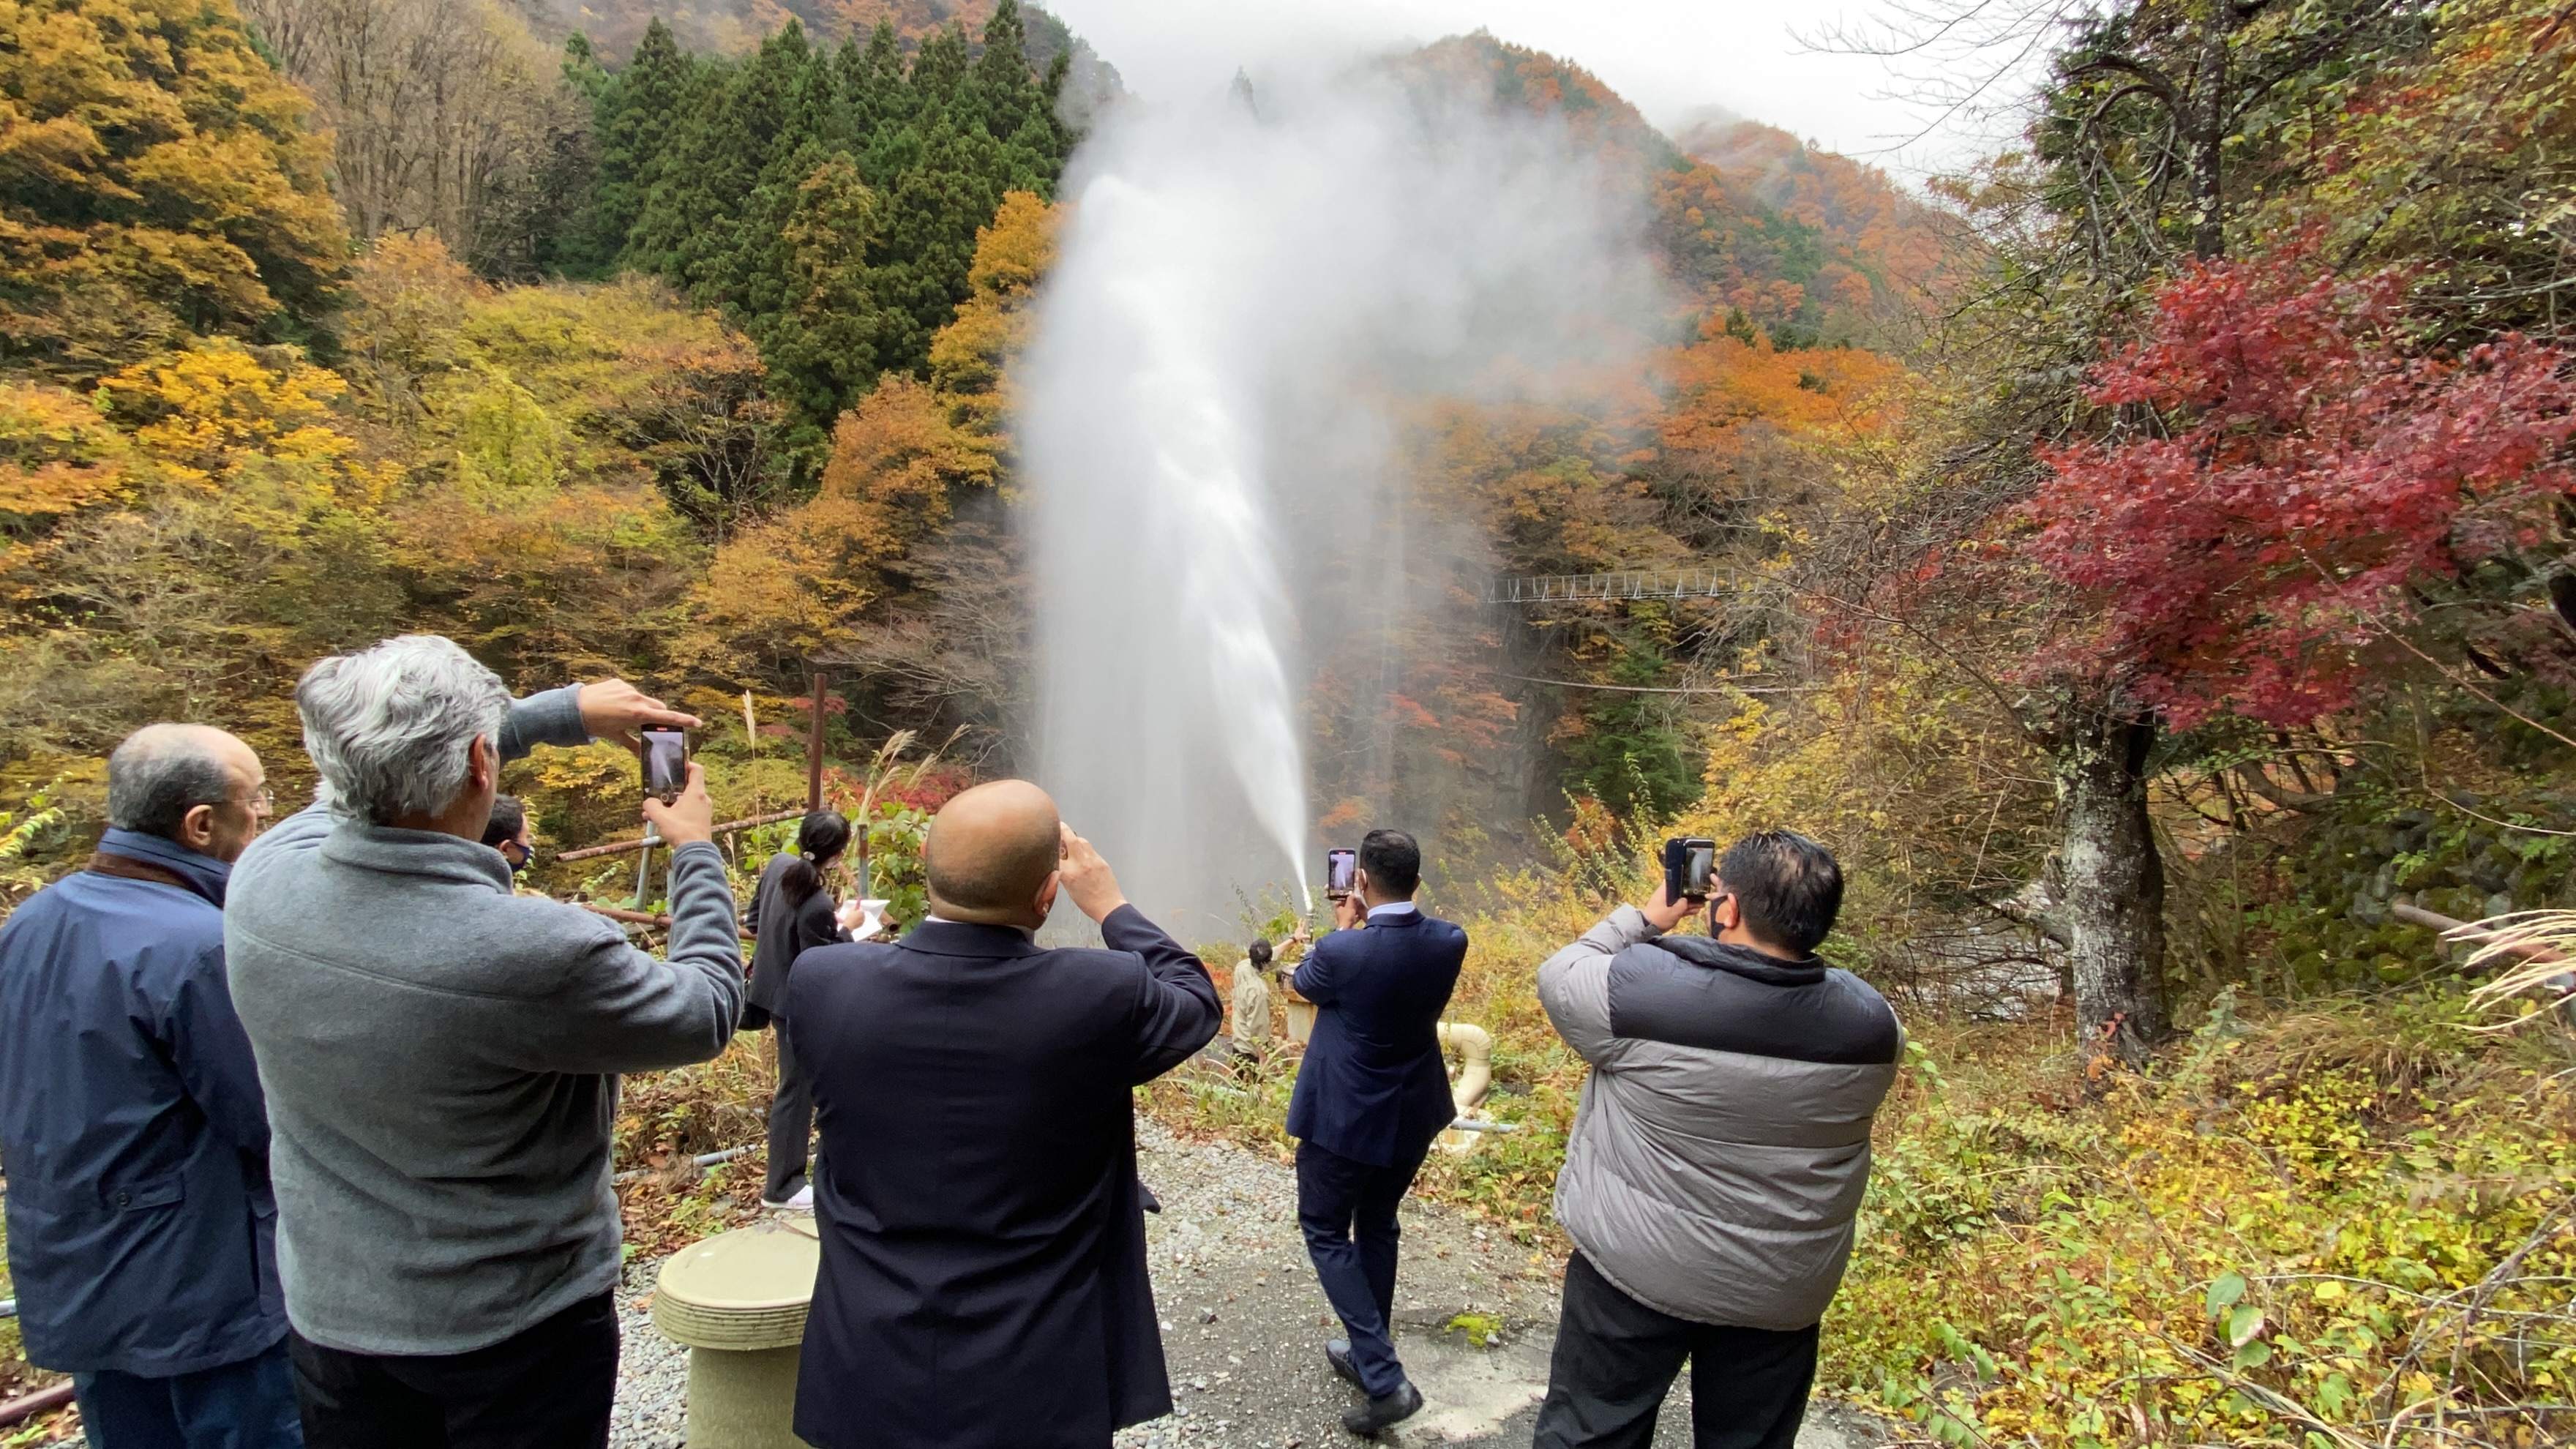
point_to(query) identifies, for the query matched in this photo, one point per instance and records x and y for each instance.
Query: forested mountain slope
(1905, 248)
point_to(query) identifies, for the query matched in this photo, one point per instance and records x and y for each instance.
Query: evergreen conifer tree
(873, 90)
(821, 339)
(693, 228)
(632, 116)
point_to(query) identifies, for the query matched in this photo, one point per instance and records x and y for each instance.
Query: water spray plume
(1247, 300)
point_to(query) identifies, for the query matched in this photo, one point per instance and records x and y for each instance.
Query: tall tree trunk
(2209, 138)
(2113, 899)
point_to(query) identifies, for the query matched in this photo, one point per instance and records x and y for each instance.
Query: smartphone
(666, 763)
(1341, 873)
(1690, 863)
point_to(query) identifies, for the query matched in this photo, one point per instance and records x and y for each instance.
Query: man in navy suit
(1371, 1095)
(983, 1281)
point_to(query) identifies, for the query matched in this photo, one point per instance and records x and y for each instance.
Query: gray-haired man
(438, 1057)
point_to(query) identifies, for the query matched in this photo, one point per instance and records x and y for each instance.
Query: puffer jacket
(1722, 1147)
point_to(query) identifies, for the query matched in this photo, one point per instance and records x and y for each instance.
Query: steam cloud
(1252, 297)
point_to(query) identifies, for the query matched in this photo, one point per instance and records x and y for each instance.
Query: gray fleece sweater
(438, 1057)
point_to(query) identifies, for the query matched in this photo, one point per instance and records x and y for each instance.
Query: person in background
(1719, 1156)
(440, 1058)
(142, 1235)
(507, 832)
(1372, 1093)
(791, 913)
(1251, 1025)
(983, 1282)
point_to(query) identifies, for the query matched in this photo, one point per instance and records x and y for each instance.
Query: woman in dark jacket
(790, 913)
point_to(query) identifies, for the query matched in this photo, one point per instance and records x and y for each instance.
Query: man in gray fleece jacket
(1719, 1156)
(438, 1054)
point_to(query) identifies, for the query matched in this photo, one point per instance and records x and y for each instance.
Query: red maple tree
(2285, 463)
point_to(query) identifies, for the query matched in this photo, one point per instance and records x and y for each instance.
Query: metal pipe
(709, 1160)
(2470, 934)
(814, 746)
(620, 847)
(1475, 1048)
(644, 918)
(42, 1401)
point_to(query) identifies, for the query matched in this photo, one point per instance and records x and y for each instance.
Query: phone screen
(666, 763)
(1341, 872)
(1690, 864)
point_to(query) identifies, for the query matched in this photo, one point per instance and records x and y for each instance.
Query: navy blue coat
(142, 1236)
(983, 1282)
(1373, 1087)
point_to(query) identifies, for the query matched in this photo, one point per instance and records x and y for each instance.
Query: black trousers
(1616, 1359)
(791, 1122)
(1347, 1210)
(549, 1387)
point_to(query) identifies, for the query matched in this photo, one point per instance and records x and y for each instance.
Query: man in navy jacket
(142, 1233)
(983, 1283)
(1371, 1095)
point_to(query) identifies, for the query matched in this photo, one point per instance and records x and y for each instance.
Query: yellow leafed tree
(156, 179)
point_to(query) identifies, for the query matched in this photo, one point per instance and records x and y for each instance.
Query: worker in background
(1251, 1025)
(142, 1234)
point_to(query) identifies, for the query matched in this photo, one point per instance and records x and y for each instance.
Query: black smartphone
(666, 763)
(1341, 873)
(1690, 863)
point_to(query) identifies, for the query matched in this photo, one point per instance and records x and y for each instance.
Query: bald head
(990, 852)
(171, 780)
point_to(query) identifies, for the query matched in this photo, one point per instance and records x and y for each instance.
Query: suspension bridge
(1680, 583)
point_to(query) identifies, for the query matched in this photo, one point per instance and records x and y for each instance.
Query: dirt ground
(1244, 1325)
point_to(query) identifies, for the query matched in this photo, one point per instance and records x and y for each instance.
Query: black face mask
(526, 857)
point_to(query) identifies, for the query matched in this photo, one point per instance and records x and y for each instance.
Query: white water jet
(1245, 304)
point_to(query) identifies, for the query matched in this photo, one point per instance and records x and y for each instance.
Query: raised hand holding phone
(689, 816)
(612, 709)
(1087, 878)
(665, 757)
(1664, 910)
(1690, 863)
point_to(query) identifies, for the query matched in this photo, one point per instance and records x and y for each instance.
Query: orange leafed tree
(797, 584)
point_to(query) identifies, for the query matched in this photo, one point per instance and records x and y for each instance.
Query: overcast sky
(1668, 57)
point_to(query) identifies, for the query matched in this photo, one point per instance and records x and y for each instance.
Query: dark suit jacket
(1373, 1087)
(983, 1279)
(783, 932)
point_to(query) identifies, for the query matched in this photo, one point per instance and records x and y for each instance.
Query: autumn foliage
(2286, 462)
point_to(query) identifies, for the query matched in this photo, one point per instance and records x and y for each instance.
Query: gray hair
(391, 728)
(160, 773)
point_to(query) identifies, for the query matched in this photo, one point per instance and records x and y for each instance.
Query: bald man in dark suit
(983, 1279)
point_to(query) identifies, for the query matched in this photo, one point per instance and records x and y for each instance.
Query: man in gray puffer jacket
(1719, 1156)
(439, 1056)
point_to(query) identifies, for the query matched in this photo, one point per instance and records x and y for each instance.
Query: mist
(1258, 291)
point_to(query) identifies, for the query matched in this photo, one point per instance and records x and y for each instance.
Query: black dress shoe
(1378, 1415)
(1337, 1352)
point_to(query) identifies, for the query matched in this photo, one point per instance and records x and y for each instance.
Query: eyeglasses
(260, 799)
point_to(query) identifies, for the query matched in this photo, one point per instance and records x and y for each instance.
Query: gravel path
(1244, 1325)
